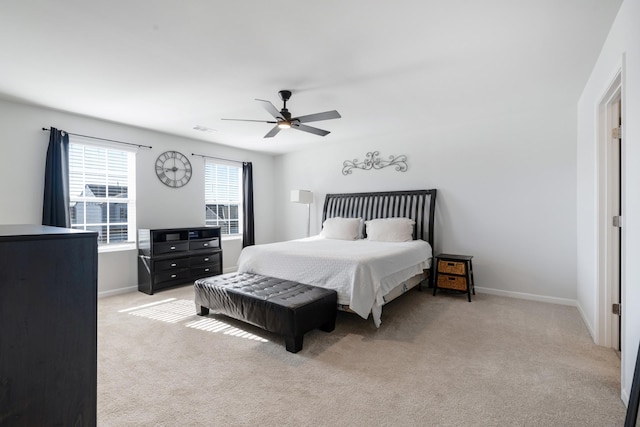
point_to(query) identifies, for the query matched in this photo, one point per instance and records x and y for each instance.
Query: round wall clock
(173, 169)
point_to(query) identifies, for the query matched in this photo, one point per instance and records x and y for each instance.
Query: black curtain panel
(248, 234)
(55, 210)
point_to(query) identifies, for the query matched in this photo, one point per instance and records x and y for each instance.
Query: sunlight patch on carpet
(174, 310)
(169, 311)
(217, 326)
(124, 310)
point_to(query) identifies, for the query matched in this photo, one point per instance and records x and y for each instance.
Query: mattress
(362, 272)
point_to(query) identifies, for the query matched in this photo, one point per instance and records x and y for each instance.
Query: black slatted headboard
(418, 205)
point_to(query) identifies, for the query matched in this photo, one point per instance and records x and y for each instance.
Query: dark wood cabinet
(454, 272)
(175, 256)
(48, 326)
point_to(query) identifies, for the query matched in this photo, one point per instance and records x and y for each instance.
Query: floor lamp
(305, 197)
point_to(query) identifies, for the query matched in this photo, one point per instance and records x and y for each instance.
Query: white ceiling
(389, 67)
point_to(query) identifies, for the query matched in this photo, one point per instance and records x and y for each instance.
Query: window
(102, 191)
(223, 196)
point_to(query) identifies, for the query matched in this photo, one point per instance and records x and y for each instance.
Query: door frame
(610, 256)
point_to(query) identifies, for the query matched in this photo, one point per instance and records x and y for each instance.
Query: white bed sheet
(361, 271)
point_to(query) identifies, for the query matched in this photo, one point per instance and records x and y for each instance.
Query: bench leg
(203, 311)
(293, 344)
(329, 326)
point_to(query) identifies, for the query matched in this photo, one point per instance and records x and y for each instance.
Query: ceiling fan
(285, 121)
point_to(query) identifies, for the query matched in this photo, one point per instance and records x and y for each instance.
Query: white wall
(506, 194)
(621, 50)
(24, 145)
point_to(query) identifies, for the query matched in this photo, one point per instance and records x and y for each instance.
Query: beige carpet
(435, 361)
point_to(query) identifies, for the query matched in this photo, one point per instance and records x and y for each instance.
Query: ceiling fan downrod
(285, 95)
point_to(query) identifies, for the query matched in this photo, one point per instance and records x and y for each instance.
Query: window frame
(240, 205)
(131, 228)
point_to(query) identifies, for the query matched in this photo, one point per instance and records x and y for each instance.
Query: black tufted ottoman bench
(281, 306)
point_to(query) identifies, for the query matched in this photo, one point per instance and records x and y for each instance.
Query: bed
(365, 272)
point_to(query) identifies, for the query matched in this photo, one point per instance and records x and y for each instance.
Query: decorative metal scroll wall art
(373, 161)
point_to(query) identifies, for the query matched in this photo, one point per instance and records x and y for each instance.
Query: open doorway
(611, 221)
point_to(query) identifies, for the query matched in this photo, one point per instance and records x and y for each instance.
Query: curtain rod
(102, 139)
(218, 158)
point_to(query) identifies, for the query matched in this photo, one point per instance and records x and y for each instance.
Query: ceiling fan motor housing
(285, 114)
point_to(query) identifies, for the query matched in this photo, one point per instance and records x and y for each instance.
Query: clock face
(173, 169)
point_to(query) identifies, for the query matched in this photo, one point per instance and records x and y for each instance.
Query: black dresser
(48, 326)
(176, 256)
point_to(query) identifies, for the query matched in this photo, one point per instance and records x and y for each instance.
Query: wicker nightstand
(454, 272)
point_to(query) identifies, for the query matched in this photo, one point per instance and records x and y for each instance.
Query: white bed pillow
(341, 228)
(390, 229)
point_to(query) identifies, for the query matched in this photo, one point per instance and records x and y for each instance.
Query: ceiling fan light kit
(283, 119)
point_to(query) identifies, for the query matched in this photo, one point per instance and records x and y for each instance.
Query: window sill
(118, 247)
(232, 237)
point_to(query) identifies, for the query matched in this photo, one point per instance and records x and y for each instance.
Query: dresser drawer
(204, 244)
(171, 264)
(173, 275)
(206, 270)
(451, 267)
(205, 259)
(167, 247)
(452, 282)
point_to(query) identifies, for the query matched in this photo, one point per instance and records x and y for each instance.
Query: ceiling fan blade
(271, 109)
(327, 115)
(273, 132)
(310, 129)
(249, 120)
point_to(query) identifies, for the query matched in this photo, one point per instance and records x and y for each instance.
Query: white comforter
(361, 271)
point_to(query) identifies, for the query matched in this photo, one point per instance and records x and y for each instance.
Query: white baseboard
(586, 322)
(499, 292)
(625, 397)
(118, 291)
(522, 295)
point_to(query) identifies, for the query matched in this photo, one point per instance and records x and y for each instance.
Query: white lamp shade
(302, 196)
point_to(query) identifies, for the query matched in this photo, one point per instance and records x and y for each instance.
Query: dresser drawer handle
(173, 276)
(174, 264)
(451, 264)
(206, 259)
(173, 248)
(206, 269)
(206, 244)
(451, 279)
